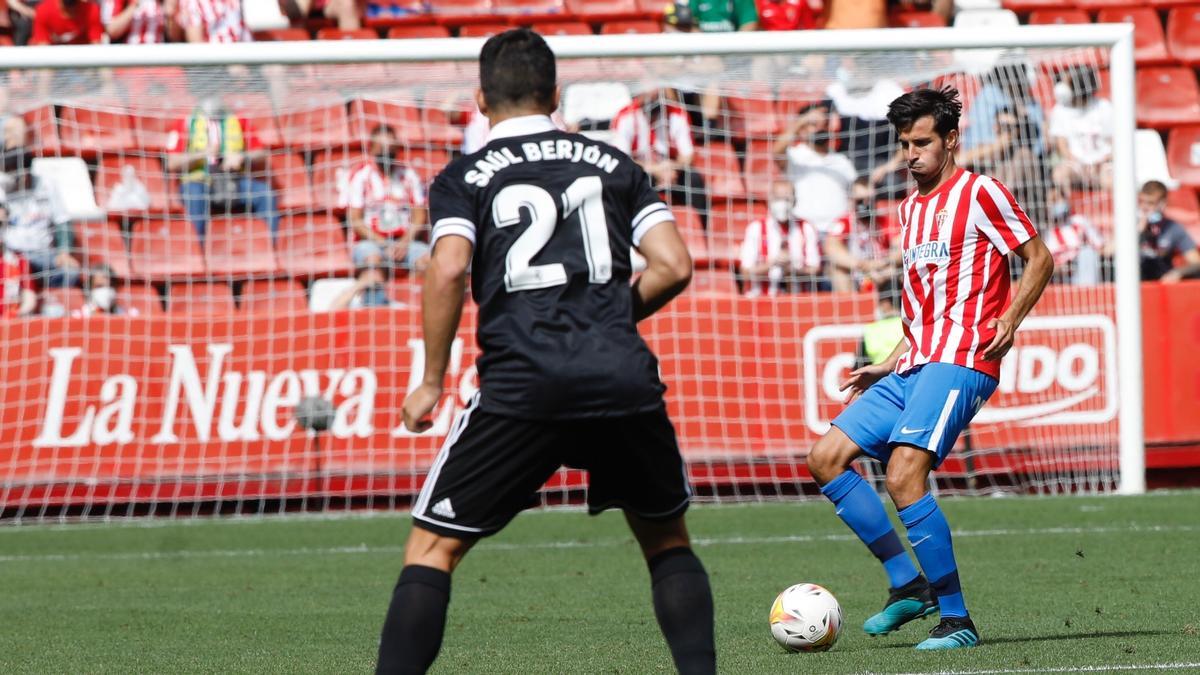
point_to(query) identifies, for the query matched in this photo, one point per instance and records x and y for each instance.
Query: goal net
(263, 226)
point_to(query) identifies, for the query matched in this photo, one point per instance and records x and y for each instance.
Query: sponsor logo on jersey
(929, 253)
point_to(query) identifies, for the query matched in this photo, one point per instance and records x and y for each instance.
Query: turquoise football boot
(952, 633)
(913, 600)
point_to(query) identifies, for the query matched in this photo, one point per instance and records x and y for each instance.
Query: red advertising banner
(175, 402)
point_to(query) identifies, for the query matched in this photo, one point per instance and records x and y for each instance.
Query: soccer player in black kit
(544, 220)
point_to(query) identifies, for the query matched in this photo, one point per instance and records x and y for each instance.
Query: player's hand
(418, 407)
(1005, 334)
(861, 379)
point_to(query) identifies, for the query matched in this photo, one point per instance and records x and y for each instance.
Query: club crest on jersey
(940, 218)
(929, 253)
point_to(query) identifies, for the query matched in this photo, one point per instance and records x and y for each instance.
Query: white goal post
(676, 332)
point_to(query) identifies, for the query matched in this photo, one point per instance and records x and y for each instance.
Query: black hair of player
(517, 70)
(942, 104)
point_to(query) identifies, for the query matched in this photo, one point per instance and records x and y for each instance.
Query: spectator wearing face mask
(16, 283)
(369, 288)
(1076, 245)
(1163, 240)
(385, 207)
(101, 295)
(856, 250)
(778, 248)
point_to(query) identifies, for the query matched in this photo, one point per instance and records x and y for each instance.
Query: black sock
(684, 606)
(412, 632)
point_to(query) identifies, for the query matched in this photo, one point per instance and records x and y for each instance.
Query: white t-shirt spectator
(387, 202)
(221, 19)
(32, 217)
(1088, 130)
(822, 185)
(765, 239)
(669, 136)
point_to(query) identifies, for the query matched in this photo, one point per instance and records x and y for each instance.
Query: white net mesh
(182, 396)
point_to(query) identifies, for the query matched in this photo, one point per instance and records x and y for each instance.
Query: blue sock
(860, 508)
(929, 534)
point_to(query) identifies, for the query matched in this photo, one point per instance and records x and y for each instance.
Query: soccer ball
(806, 618)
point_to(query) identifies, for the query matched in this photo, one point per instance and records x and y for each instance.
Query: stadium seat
(1166, 97)
(282, 35)
(87, 131)
(482, 30)
(68, 176)
(143, 297)
(1096, 206)
(752, 111)
(439, 132)
(273, 296)
(727, 227)
(238, 246)
(148, 171)
(339, 34)
(530, 11)
(1023, 6)
(916, 19)
(986, 18)
(606, 10)
(323, 292)
(312, 245)
(69, 299)
(1093, 5)
(161, 89)
(161, 249)
(43, 131)
(289, 177)
(1183, 155)
(1150, 158)
(200, 298)
(1183, 207)
(795, 95)
(1183, 34)
(459, 12)
(719, 166)
(1057, 16)
(427, 163)
(563, 28)
(151, 131)
(713, 282)
(403, 118)
(1149, 43)
(330, 171)
(102, 243)
(419, 32)
(258, 112)
(627, 27)
(691, 228)
(316, 128)
(762, 169)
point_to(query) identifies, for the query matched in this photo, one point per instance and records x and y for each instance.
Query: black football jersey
(552, 216)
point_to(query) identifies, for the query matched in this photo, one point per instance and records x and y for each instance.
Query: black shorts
(491, 468)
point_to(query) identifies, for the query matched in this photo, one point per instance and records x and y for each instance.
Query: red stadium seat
(103, 243)
(329, 169)
(149, 172)
(727, 227)
(339, 34)
(1149, 43)
(70, 299)
(1058, 16)
(719, 166)
(795, 95)
(142, 297)
(273, 296)
(239, 246)
(606, 10)
(752, 111)
(317, 128)
(438, 129)
(84, 131)
(691, 228)
(1093, 5)
(1022, 6)
(257, 111)
(1183, 34)
(410, 32)
(43, 129)
(1167, 97)
(530, 11)
(762, 168)
(563, 28)
(1183, 155)
(404, 119)
(312, 245)
(282, 35)
(289, 177)
(913, 19)
(165, 249)
(160, 90)
(200, 298)
(459, 12)
(427, 163)
(713, 282)
(625, 27)
(1183, 207)
(482, 30)
(151, 131)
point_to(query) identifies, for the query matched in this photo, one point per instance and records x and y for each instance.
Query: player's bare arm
(668, 270)
(441, 310)
(861, 379)
(1039, 265)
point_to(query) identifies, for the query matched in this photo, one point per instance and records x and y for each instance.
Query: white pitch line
(364, 549)
(1070, 669)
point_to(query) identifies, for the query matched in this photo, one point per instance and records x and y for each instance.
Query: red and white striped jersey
(15, 279)
(1065, 241)
(670, 136)
(387, 202)
(221, 19)
(766, 238)
(149, 22)
(956, 242)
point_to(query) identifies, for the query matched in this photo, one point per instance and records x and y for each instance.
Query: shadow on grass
(1054, 637)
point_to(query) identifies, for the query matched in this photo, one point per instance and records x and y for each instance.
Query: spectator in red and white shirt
(788, 14)
(1075, 244)
(778, 248)
(655, 131)
(17, 285)
(213, 21)
(66, 22)
(137, 22)
(385, 207)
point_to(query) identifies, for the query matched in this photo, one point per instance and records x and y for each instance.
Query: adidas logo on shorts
(443, 509)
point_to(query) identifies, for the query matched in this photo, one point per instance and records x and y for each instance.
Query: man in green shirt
(882, 335)
(724, 16)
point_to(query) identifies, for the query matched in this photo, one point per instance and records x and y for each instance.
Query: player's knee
(824, 462)
(905, 482)
(429, 549)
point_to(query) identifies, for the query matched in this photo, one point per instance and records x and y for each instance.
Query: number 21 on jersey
(583, 198)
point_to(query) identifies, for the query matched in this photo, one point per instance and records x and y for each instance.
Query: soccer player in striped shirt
(957, 230)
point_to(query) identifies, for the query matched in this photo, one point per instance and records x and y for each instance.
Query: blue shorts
(926, 407)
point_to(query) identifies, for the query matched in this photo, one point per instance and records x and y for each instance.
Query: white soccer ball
(806, 618)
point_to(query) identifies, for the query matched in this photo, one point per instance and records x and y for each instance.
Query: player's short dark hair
(1154, 187)
(517, 68)
(942, 104)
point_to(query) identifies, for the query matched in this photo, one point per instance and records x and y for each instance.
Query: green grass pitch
(1053, 583)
